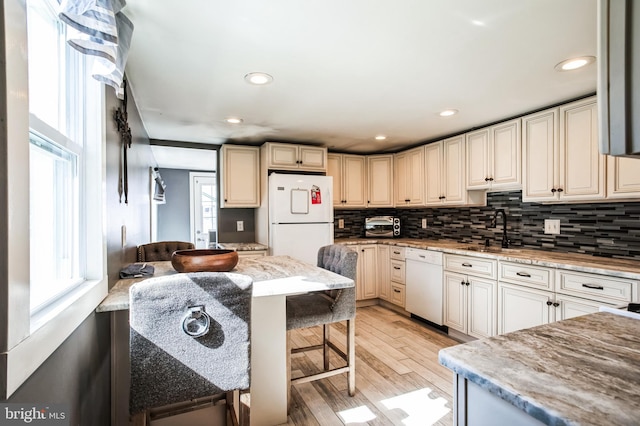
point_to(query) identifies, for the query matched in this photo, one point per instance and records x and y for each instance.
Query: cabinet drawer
(397, 294)
(531, 276)
(397, 253)
(595, 287)
(476, 266)
(398, 271)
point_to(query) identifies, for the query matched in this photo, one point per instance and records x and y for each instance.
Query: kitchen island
(274, 278)
(581, 371)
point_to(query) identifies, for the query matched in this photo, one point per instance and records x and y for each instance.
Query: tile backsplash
(600, 229)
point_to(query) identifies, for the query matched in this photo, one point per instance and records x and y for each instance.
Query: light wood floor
(398, 378)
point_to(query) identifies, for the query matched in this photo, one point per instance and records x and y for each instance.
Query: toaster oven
(382, 226)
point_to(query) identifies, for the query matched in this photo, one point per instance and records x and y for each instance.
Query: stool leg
(351, 355)
(288, 370)
(325, 346)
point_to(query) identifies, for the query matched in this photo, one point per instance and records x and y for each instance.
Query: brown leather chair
(162, 250)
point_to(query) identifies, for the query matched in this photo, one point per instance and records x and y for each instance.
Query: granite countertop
(272, 276)
(582, 370)
(242, 246)
(577, 262)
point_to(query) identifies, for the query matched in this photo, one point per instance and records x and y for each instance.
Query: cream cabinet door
(520, 307)
(433, 160)
(540, 157)
(482, 302)
(366, 280)
(455, 301)
(380, 180)
(283, 156)
(571, 307)
(312, 157)
(478, 152)
(506, 155)
(453, 182)
(354, 181)
(384, 272)
(240, 176)
(623, 177)
(334, 169)
(582, 166)
(409, 177)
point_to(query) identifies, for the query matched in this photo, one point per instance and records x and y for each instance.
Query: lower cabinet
(558, 295)
(384, 273)
(470, 304)
(367, 279)
(252, 253)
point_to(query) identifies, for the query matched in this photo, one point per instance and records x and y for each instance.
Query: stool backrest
(162, 250)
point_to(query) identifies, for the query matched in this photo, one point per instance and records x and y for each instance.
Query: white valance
(99, 28)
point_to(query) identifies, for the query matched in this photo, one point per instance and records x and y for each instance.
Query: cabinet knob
(556, 304)
(467, 283)
(559, 189)
(490, 179)
(462, 282)
(549, 303)
(225, 200)
(486, 179)
(553, 190)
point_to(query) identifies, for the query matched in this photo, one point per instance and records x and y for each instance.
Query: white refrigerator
(300, 215)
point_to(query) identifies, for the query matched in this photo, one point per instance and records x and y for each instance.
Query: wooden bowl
(204, 260)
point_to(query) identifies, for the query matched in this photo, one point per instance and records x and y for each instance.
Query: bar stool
(325, 308)
(162, 250)
(190, 338)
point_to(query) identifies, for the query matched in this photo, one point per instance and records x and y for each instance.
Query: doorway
(203, 209)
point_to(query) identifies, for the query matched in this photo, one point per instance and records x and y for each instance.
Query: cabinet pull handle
(396, 267)
(523, 274)
(395, 290)
(549, 303)
(467, 265)
(421, 256)
(396, 252)
(593, 286)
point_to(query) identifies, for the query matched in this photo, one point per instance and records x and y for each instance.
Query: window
(54, 146)
(53, 234)
(61, 95)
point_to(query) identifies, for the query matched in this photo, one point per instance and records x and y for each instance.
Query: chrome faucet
(494, 219)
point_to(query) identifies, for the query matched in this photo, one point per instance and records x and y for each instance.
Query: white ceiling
(345, 71)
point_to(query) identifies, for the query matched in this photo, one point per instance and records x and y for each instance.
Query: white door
(204, 218)
(482, 299)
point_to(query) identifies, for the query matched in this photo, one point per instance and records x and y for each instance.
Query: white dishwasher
(424, 284)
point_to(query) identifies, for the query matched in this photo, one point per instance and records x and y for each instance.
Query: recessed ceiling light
(574, 63)
(448, 112)
(258, 78)
(381, 137)
(234, 120)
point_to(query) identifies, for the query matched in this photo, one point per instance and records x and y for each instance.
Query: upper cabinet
(561, 159)
(240, 179)
(284, 156)
(623, 177)
(494, 157)
(445, 164)
(380, 181)
(349, 179)
(409, 177)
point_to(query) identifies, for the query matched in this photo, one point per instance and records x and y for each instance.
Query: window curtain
(99, 28)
